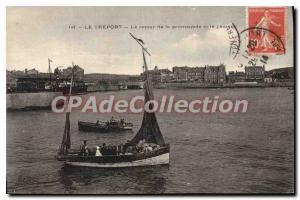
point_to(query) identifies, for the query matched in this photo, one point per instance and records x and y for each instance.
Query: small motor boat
(103, 127)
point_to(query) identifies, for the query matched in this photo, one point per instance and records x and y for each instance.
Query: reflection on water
(250, 152)
(150, 180)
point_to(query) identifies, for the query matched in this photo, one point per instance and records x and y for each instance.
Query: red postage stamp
(266, 30)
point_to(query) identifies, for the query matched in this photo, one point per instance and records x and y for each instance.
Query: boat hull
(93, 127)
(156, 157)
(162, 159)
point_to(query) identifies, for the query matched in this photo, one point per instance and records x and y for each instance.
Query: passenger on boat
(140, 145)
(115, 150)
(83, 148)
(112, 150)
(120, 149)
(112, 119)
(129, 150)
(97, 123)
(122, 121)
(155, 146)
(102, 149)
(98, 153)
(127, 144)
(108, 150)
(147, 148)
(86, 152)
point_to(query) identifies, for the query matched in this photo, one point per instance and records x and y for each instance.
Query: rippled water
(249, 152)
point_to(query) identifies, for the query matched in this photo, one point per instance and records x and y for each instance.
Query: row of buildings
(31, 80)
(259, 74)
(207, 74)
(253, 73)
(218, 75)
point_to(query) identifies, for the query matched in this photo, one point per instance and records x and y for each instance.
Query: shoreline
(26, 102)
(226, 85)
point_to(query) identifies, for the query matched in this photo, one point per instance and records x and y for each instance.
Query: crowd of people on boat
(122, 149)
(112, 121)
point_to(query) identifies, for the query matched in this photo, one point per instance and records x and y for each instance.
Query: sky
(34, 34)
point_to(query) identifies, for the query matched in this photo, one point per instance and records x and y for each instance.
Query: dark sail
(149, 130)
(66, 141)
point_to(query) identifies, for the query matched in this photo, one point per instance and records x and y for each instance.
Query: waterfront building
(31, 71)
(17, 72)
(34, 81)
(215, 74)
(160, 75)
(240, 76)
(282, 74)
(189, 73)
(165, 75)
(180, 73)
(255, 73)
(196, 74)
(235, 76)
(231, 77)
(11, 81)
(207, 74)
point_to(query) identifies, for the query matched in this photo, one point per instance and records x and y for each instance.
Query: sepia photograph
(150, 100)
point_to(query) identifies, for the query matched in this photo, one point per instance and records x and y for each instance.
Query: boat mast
(49, 61)
(71, 85)
(149, 129)
(145, 66)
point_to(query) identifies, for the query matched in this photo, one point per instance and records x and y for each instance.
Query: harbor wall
(21, 101)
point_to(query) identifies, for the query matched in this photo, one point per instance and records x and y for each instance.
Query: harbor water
(250, 152)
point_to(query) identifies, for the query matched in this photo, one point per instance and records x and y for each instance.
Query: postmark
(248, 48)
(266, 32)
(234, 40)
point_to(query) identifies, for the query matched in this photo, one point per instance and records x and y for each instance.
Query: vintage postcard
(150, 100)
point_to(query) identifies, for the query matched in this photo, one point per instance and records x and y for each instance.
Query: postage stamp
(266, 30)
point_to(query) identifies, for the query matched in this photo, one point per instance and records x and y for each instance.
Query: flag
(140, 40)
(49, 60)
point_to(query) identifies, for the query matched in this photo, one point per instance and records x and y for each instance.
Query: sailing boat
(149, 135)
